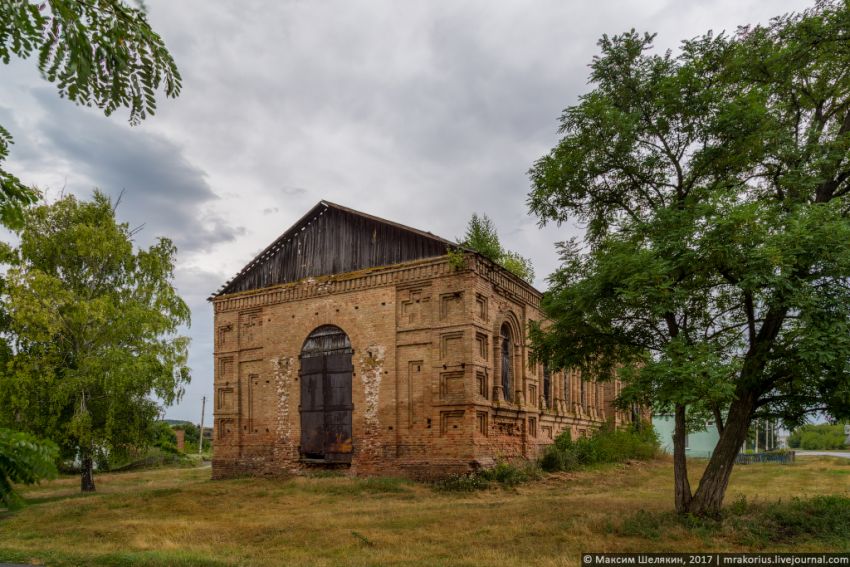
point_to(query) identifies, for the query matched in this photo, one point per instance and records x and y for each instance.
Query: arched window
(507, 361)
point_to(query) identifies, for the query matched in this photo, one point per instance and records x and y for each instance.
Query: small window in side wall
(547, 385)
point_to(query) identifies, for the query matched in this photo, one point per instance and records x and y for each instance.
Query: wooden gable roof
(332, 239)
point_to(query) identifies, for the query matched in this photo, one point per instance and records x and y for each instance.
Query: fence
(784, 458)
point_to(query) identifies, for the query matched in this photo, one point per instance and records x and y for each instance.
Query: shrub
(504, 473)
(818, 437)
(607, 445)
(162, 436)
(511, 474)
(462, 483)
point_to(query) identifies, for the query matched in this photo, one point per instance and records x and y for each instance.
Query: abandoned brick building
(355, 341)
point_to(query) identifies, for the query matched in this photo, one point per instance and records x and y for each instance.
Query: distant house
(699, 444)
(353, 341)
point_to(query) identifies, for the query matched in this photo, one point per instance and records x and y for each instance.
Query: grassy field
(180, 517)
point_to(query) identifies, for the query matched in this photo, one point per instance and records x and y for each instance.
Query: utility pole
(201, 435)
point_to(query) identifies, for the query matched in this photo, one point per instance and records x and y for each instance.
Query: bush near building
(607, 445)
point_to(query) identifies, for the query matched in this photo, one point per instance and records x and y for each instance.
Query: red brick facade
(427, 342)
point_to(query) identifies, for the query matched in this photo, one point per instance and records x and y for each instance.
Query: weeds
(823, 519)
(607, 445)
(505, 474)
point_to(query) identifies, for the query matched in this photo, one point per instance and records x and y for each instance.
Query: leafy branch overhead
(24, 459)
(98, 53)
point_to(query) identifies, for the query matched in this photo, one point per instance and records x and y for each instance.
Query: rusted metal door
(326, 406)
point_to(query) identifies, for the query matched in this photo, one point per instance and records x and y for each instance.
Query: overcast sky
(420, 112)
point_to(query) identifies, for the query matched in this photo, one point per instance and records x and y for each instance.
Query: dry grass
(180, 517)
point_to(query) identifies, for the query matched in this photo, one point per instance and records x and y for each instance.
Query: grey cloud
(418, 112)
(160, 188)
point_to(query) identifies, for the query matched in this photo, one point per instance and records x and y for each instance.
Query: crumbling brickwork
(433, 346)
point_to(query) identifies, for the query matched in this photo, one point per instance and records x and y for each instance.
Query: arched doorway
(507, 361)
(326, 396)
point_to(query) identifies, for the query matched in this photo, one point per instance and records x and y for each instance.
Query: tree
(23, 460)
(482, 237)
(714, 273)
(818, 437)
(94, 325)
(99, 53)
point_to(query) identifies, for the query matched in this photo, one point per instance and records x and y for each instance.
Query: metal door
(326, 406)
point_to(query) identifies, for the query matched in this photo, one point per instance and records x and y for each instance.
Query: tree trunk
(680, 463)
(708, 498)
(86, 474)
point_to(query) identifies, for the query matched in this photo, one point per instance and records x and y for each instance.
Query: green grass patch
(822, 519)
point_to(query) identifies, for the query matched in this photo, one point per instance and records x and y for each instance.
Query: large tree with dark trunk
(94, 327)
(715, 189)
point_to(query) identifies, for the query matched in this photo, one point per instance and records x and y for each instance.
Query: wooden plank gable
(331, 239)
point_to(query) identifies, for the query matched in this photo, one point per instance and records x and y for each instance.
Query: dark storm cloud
(159, 187)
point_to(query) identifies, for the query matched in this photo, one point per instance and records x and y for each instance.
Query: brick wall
(426, 384)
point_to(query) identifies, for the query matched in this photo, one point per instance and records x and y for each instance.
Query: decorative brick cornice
(407, 274)
(423, 270)
(505, 282)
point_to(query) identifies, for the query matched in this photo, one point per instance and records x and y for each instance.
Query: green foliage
(95, 331)
(146, 459)
(482, 237)
(190, 436)
(505, 474)
(102, 53)
(14, 195)
(715, 187)
(24, 459)
(457, 259)
(820, 436)
(511, 474)
(606, 445)
(162, 436)
(462, 483)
